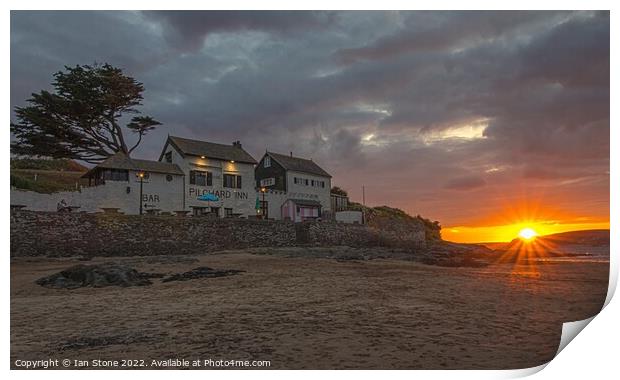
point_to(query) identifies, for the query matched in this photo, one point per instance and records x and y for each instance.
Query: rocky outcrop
(97, 276)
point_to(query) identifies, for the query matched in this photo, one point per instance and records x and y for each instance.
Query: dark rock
(97, 276)
(201, 272)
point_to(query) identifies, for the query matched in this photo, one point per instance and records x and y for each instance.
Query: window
(228, 212)
(267, 162)
(200, 178)
(312, 183)
(306, 182)
(232, 181)
(169, 177)
(116, 175)
(323, 184)
(168, 157)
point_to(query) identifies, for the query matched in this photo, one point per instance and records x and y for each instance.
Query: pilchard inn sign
(220, 193)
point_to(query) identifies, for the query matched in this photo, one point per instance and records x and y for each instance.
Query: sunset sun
(527, 234)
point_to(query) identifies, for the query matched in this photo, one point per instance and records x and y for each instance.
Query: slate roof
(211, 150)
(298, 164)
(122, 161)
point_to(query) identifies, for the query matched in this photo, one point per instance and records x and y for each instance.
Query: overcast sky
(470, 118)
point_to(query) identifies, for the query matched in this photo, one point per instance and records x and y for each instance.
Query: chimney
(237, 144)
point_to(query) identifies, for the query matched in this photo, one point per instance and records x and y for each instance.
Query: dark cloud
(412, 105)
(188, 29)
(465, 183)
(430, 31)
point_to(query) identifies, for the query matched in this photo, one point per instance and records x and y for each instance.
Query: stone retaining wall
(83, 234)
(356, 235)
(59, 234)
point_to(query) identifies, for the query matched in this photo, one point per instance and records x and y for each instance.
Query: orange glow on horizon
(527, 234)
(508, 232)
(533, 210)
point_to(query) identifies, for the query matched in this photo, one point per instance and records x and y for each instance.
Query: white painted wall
(349, 216)
(275, 199)
(242, 201)
(158, 192)
(297, 191)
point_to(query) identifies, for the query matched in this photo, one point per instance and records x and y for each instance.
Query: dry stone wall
(355, 235)
(36, 233)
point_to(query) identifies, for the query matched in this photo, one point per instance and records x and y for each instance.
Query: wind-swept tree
(80, 119)
(339, 191)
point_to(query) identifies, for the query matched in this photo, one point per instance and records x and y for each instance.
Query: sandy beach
(308, 313)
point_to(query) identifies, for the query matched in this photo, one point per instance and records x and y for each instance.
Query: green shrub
(432, 228)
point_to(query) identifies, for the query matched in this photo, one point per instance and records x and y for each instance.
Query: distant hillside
(46, 176)
(590, 237)
(592, 242)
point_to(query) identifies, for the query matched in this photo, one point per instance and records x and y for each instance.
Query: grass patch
(46, 176)
(43, 164)
(46, 181)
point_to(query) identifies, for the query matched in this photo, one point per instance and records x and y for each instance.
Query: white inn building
(200, 178)
(224, 171)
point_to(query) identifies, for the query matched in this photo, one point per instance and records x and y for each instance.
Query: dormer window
(267, 162)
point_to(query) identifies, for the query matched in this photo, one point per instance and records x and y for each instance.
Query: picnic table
(153, 211)
(182, 213)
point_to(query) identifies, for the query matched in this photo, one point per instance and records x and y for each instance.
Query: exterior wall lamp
(264, 214)
(140, 176)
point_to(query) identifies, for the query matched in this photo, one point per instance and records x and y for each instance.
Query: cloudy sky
(475, 119)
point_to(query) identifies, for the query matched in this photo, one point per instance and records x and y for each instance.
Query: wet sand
(309, 313)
